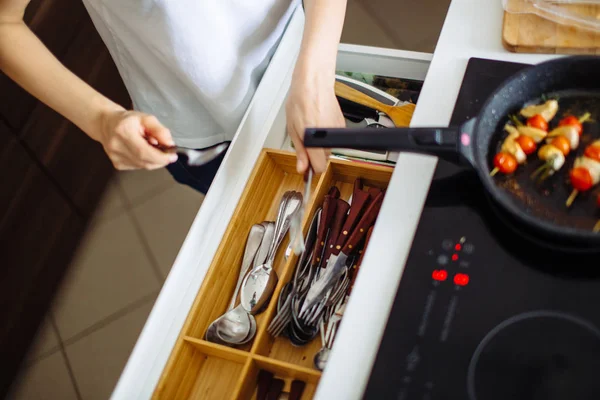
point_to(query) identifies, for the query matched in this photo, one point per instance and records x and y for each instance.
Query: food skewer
(571, 120)
(523, 138)
(560, 142)
(585, 173)
(511, 154)
(521, 141)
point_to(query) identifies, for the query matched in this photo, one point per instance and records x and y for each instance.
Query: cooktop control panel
(451, 262)
(435, 285)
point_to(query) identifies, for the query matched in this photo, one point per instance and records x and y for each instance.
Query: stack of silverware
(257, 278)
(314, 300)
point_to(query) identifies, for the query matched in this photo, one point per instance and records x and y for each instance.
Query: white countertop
(472, 29)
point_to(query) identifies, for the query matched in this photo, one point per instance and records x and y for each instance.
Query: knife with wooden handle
(275, 389)
(334, 192)
(341, 210)
(265, 378)
(337, 264)
(297, 389)
(329, 205)
(363, 225)
(373, 192)
(360, 200)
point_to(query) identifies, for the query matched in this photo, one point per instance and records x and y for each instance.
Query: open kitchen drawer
(198, 369)
(170, 359)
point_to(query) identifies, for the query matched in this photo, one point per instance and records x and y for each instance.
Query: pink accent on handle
(465, 139)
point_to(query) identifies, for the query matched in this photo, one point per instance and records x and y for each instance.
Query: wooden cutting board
(529, 33)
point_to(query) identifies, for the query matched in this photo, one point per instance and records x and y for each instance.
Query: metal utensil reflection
(261, 281)
(301, 274)
(236, 326)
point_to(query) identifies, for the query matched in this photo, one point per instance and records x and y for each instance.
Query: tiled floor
(110, 288)
(109, 291)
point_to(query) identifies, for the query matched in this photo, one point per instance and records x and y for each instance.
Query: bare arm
(322, 32)
(25, 59)
(312, 101)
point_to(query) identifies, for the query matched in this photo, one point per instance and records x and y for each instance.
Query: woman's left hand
(311, 104)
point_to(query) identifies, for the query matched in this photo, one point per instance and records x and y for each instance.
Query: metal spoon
(328, 336)
(321, 358)
(211, 335)
(261, 281)
(236, 324)
(220, 333)
(252, 329)
(196, 157)
(265, 245)
(253, 243)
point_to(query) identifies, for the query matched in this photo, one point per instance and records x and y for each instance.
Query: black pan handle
(451, 144)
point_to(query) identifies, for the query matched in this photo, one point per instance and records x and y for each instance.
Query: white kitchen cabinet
(262, 127)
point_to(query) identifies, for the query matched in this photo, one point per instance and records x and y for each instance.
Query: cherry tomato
(527, 144)
(571, 120)
(562, 143)
(537, 121)
(505, 162)
(593, 152)
(581, 179)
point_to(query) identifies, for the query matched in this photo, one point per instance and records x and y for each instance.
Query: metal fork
(334, 320)
(284, 313)
(331, 298)
(302, 275)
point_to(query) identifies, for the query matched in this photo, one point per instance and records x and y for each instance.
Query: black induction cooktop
(481, 312)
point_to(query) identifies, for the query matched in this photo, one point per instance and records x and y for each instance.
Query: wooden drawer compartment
(209, 373)
(200, 369)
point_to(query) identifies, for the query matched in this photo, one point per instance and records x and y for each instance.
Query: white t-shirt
(194, 64)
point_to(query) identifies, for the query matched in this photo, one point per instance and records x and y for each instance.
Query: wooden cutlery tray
(198, 369)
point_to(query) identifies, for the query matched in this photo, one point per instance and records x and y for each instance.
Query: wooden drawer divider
(198, 369)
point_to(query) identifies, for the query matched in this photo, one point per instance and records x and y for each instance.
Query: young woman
(190, 67)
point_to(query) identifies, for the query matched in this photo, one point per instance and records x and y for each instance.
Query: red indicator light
(457, 247)
(461, 279)
(439, 275)
(454, 257)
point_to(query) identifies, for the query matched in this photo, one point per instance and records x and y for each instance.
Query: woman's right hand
(129, 137)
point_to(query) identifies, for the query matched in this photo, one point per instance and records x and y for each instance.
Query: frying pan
(538, 210)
